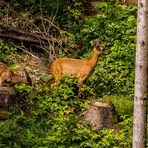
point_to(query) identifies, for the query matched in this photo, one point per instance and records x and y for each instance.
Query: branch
(21, 38)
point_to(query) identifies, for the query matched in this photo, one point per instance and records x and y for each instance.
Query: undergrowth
(53, 118)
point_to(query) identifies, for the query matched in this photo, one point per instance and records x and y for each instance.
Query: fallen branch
(21, 38)
(22, 33)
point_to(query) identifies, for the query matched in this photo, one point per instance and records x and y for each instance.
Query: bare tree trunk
(141, 77)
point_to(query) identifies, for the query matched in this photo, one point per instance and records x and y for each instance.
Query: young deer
(6, 75)
(80, 68)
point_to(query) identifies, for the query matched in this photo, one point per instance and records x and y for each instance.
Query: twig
(54, 19)
(52, 24)
(25, 51)
(40, 47)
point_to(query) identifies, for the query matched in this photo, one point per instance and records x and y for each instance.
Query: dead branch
(21, 38)
(13, 33)
(19, 32)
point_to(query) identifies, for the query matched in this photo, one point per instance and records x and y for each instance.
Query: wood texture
(141, 73)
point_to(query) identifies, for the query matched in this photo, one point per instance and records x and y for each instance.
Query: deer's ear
(105, 51)
(95, 43)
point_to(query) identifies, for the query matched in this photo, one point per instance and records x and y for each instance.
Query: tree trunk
(141, 74)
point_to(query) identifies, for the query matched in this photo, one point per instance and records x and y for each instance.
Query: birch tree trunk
(141, 77)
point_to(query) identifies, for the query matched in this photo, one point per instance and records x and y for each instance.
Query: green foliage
(68, 12)
(43, 5)
(106, 138)
(61, 106)
(5, 50)
(8, 133)
(52, 118)
(72, 14)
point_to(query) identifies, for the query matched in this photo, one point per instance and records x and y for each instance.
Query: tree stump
(6, 96)
(6, 101)
(101, 115)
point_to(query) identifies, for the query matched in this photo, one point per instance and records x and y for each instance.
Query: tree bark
(141, 77)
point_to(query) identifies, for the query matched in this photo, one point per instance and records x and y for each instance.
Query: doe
(80, 68)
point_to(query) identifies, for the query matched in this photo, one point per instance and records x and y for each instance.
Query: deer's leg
(1, 82)
(57, 79)
(81, 80)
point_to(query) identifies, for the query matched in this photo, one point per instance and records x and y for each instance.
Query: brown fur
(129, 2)
(81, 68)
(6, 75)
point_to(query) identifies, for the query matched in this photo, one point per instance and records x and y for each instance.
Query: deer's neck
(93, 60)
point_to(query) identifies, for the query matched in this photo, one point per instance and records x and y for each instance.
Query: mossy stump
(101, 115)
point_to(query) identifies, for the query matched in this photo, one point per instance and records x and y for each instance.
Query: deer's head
(99, 47)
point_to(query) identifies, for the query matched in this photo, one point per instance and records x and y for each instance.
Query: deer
(7, 75)
(130, 2)
(80, 68)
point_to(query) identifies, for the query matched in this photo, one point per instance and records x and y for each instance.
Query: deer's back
(69, 66)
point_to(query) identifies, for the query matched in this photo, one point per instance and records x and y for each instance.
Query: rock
(101, 115)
